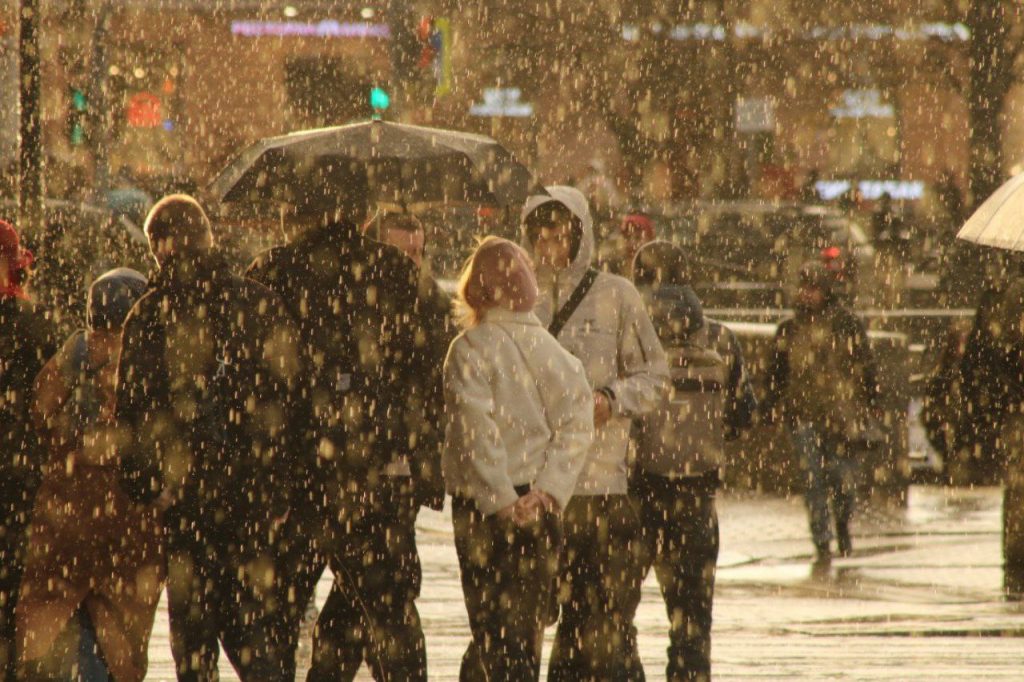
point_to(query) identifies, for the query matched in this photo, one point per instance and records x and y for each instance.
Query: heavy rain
(499, 340)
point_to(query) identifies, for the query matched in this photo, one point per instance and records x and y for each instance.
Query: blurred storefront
(667, 100)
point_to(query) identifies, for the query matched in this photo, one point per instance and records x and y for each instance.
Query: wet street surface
(919, 599)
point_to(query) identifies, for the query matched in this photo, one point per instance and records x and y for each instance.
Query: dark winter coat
(209, 373)
(27, 340)
(376, 347)
(822, 371)
(991, 368)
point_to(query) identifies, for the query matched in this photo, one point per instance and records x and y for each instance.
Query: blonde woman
(520, 421)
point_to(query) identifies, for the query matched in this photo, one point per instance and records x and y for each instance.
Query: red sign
(144, 110)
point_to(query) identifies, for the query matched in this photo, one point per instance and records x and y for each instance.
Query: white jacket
(519, 411)
(613, 336)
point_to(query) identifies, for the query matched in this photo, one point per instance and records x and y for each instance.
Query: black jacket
(27, 340)
(376, 346)
(851, 352)
(209, 375)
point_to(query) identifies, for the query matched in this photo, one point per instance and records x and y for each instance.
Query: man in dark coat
(823, 378)
(209, 365)
(376, 346)
(993, 426)
(27, 339)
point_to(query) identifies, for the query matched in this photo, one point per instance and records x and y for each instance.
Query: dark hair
(661, 262)
(551, 213)
(180, 219)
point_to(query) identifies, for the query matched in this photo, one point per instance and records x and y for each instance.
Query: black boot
(843, 538)
(1013, 583)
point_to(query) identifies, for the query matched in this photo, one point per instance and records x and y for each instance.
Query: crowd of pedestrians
(230, 435)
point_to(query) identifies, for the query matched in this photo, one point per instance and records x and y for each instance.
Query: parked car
(748, 253)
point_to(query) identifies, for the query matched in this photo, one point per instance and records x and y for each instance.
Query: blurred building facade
(660, 99)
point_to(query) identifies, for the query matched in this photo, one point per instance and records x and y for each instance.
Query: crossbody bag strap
(563, 315)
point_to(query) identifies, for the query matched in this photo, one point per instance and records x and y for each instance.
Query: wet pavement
(919, 598)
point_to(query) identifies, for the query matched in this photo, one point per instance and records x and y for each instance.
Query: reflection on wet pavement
(919, 599)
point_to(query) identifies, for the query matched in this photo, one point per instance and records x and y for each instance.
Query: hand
(530, 507)
(164, 501)
(276, 523)
(602, 409)
(508, 513)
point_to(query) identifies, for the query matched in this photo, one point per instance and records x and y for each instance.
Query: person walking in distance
(208, 372)
(519, 423)
(822, 378)
(680, 452)
(599, 318)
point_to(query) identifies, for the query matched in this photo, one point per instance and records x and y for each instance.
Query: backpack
(686, 435)
(84, 404)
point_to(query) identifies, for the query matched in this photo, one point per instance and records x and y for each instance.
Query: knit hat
(112, 296)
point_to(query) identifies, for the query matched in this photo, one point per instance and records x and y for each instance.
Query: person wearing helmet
(88, 540)
(822, 378)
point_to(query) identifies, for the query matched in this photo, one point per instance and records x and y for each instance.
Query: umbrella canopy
(999, 222)
(403, 164)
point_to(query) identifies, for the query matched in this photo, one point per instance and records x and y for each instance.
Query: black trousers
(371, 612)
(601, 576)
(508, 573)
(680, 529)
(1013, 529)
(13, 541)
(219, 592)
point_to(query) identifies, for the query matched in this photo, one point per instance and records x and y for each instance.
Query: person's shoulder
(150, 300)
(266, 262)
(848, 321)
(466, 345)
(786, 326)
(617, 287)
(611, 280)
(719, 331)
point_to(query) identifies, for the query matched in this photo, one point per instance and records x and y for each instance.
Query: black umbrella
(404, 164)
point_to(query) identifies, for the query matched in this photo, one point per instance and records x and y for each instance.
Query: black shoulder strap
(563, 315)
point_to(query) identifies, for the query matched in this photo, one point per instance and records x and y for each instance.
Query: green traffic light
(78, 100)
(379, 99)
(76, 136)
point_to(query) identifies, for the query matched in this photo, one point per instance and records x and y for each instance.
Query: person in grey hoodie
(601, 319)
(518, 427)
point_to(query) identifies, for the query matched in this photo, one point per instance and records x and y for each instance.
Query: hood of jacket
(675, 310)
(572, 199)
(111, 296)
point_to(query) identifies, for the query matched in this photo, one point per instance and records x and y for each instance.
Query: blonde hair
(475, 295)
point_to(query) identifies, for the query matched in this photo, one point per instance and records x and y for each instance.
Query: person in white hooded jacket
(601, 319)
(519, 423)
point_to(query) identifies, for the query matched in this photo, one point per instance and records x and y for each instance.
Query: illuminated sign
(871, 189)
(502, 102)
(328, 28)
(144, 110)
(945, 32)
(863, 104)
(755, 115)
